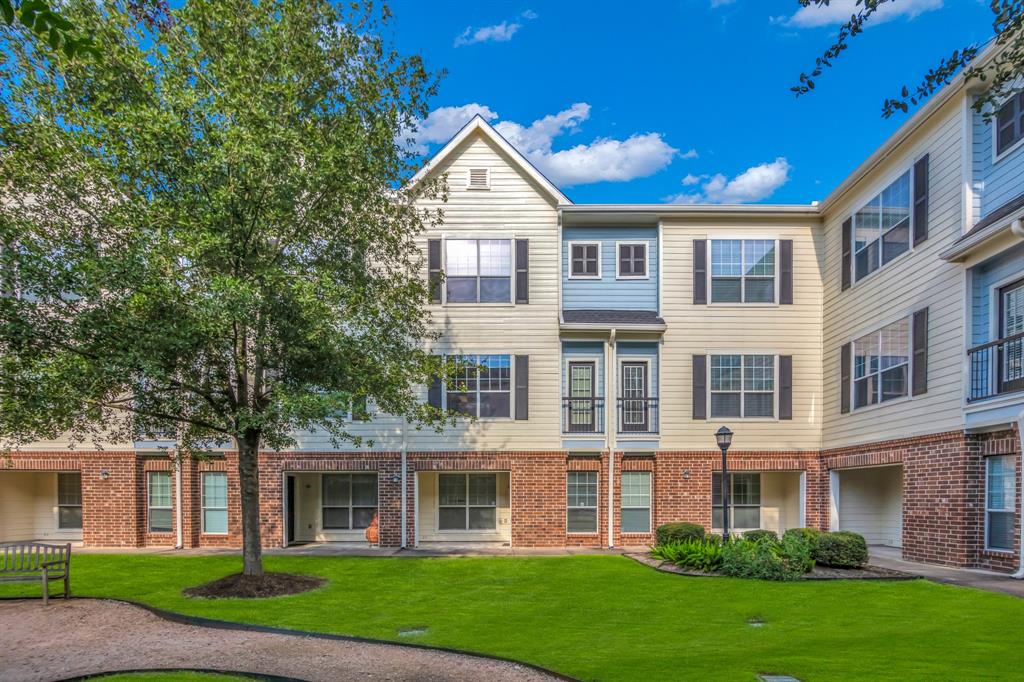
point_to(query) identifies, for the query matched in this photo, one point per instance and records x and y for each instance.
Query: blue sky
(678, 101)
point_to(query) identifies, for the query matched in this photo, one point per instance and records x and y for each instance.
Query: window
(743, 271)
(742, 386)
(483, 387)
(585, 260)
(881, 229)
(215, 502)
(69, 501)
(881, 364)
(159, 502)
(581, 494)
(636, 502)
(349, 501)
(1009, 124)
(632, 260)
(1000, 494)
(744, 501)
(478, 270)
(467, 502)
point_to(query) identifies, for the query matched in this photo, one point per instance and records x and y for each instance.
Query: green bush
(766, 558)
(842, 549)
(678, 531)
(761, 534)
(811, 535)
(698, 554)
(797, 553)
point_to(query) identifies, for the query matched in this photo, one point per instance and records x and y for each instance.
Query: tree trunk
(249, 483)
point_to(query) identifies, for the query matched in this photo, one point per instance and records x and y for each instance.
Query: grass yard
(169, 676)
(606, 617)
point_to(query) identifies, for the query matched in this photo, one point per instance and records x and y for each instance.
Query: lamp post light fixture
(724, 438)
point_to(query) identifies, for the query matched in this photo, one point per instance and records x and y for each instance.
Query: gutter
(611, 426)
(1019, 575)
(405, 469)
(972, 240)
(179, 538)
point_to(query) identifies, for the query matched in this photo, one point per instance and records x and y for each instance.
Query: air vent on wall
(479, 178)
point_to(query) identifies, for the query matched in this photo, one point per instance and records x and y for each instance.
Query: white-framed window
(478, 178)
(636, 502)
(478, 270)
(744, 500)
(158, 488)
(467, 501)
(69, 500)
(631, 260)
(483, 387)
(881, 364)
(742, 386)
(1008, 125)
(215, 502)
(1000, 501)
(743, 270)
(881, 228)
(585, 260)
(349, 500)
(581, 499)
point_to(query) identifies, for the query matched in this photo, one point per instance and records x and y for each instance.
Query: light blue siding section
(995, 183)
(609, 293)
(640, 350)
(583, 350)
(1009, 265)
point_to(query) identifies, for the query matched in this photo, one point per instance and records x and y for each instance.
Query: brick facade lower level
(943, 491)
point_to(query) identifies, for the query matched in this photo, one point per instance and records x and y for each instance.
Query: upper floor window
(1009, 124)
(743, 271)
(585, 259)
(742, 386)
(483, 387)
(881, 229)
(478, 270)
(881, 364)
(632, 260)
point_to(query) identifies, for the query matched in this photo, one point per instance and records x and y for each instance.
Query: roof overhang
(653, 214)
(976, 239)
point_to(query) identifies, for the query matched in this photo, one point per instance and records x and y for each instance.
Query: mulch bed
(817, 573)
(240, 586)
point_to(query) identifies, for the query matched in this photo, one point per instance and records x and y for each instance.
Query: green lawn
(608, 618)
(170, 676)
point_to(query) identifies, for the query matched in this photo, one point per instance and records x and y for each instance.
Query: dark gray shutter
(700, 387)
(847, 252)
(522, 271)
(522, 387)
(785, 387)
(434, 269)
(921, 200)
(785, 271)
(700, 272)
(919, 382)
(434, 393)
(844, 378)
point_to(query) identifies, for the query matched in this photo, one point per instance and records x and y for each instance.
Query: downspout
(612, 428)
(1019, 575)
(405, 448)
(179, 537)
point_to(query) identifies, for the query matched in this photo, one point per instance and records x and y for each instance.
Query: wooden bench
(32, 561)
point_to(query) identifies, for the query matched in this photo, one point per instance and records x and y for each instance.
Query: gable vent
(479, 178)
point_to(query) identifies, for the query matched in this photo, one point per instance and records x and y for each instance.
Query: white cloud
(839, 11)
(754, 184)
(692, 154)
(442, 124)
(721, 3)
(499, 33)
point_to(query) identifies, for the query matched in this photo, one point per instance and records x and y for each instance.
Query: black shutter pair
(522, 389)
(700, 271)
(522, 270)
(700, 386)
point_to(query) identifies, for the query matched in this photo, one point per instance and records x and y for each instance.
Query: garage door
(871, 503)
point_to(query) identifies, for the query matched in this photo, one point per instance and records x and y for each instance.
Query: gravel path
(88, 636)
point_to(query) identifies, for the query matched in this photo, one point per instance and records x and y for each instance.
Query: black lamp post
(724, 438)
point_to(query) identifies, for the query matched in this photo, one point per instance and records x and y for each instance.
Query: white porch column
(833, 500)
(803, 499)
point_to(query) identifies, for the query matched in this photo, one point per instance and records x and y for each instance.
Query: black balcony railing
(582, 415)
(638, 415)
(997, 368)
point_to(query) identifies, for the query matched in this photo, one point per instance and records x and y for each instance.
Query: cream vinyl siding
(915, 280)
(28, 507)
(513, 208)
(426, 507)
(780, 501)
(871, 503)
(740, 328)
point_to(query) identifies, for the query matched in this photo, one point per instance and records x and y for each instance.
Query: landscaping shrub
(767, 558)
(678, 531)
(811, 535)
(843, 549)
(797, 553)
(701, 554)
(760, 534)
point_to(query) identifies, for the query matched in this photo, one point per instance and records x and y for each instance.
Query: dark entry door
(634, 397)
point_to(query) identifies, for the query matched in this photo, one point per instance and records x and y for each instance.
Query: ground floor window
(349, 501)
(159, 492)
(69, 500)
(636, 502)
(1000, 500)
(581, 495)
(215, 502)
(744, 501)
(467, 502)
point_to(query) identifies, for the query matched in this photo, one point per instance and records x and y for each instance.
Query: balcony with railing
(583, 415)
(996, 368)
(638, 415)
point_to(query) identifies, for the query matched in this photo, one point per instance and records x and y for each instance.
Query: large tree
(211, 232)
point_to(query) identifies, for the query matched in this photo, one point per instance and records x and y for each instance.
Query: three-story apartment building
(867, 351)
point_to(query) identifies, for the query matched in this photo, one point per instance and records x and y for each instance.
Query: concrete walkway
(889, 557)
(91, 636)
